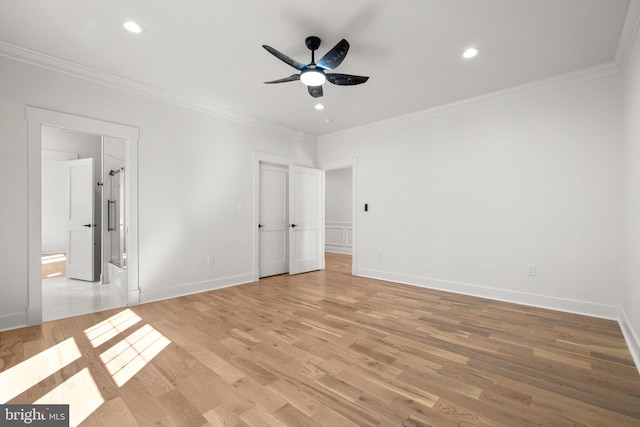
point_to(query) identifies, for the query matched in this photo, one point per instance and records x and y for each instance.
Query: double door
(291, 220)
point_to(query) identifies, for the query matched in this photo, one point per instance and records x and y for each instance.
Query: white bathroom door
(273, 224)
(306, 219)
(80, 223)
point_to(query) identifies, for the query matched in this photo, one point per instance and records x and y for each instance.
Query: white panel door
(80, 224)
(306, 219)
(273, 221)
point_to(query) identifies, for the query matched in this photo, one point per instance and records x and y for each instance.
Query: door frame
(36, 119)
(343, 164)
(259, 156)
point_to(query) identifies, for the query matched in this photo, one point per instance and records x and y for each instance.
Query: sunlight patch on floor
(48, 259)
(130, 355)
(35, 369)
(109, 328)
(80, 392)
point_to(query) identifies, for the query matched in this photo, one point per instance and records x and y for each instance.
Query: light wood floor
(326, 348)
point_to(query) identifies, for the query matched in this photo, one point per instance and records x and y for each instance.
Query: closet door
(306, 219)
(273, 221)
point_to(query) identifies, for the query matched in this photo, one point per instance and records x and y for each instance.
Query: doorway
(40, 121)
(341, 221)
(338, 211)
(83, 245)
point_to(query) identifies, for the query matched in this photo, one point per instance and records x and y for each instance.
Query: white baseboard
(34, 315)
(632, 337)
(133, 297)
(13, 321)
(542, 301)
(194, 288)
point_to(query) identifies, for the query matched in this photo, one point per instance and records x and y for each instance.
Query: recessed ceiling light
(133, 27)
(319, 106)
(470, 53)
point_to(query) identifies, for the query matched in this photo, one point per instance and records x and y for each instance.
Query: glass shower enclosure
(115, 219)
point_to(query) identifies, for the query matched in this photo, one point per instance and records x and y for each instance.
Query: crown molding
(584, 75)
(73, 69)
(628, 33)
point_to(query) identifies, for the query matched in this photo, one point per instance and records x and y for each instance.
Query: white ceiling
(211, 51)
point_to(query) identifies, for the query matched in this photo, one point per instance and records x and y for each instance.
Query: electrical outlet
(379, 253)
(210, 260)
(531, 270)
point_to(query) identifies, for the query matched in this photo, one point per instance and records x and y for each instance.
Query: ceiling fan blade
(284, 58)
(315, 91)
(291, 78)
(334, 57)
(345, 79)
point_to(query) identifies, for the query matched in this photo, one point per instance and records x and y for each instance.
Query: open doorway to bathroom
(83, 223)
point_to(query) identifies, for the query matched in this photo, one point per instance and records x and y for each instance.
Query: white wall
(631, 296)
(338, 206)
(54, 206)
(465, 198)
(338, 210)
(195, 183)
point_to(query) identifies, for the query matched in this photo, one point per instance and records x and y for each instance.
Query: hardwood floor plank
(222, 416)
(361, 382)
(181, 410)
(154, 381)
(465, 416)
(327, 417)
(297, 395)
(259, 394)
(115, 413)
(340, 388)
(257, 416)
(420, 416)
(290, 416)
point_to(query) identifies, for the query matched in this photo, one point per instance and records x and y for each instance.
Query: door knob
(89, 225)
(260, 225)
(294, 225)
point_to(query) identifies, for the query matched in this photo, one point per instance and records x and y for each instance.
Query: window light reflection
(53, 258)
(80, 392)
(130, 355)
(109, 328)
(26, 374)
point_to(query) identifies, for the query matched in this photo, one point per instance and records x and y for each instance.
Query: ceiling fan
(313, 75)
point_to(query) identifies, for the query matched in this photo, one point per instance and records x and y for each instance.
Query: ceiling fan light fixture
(313, 74)
(312, 77)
